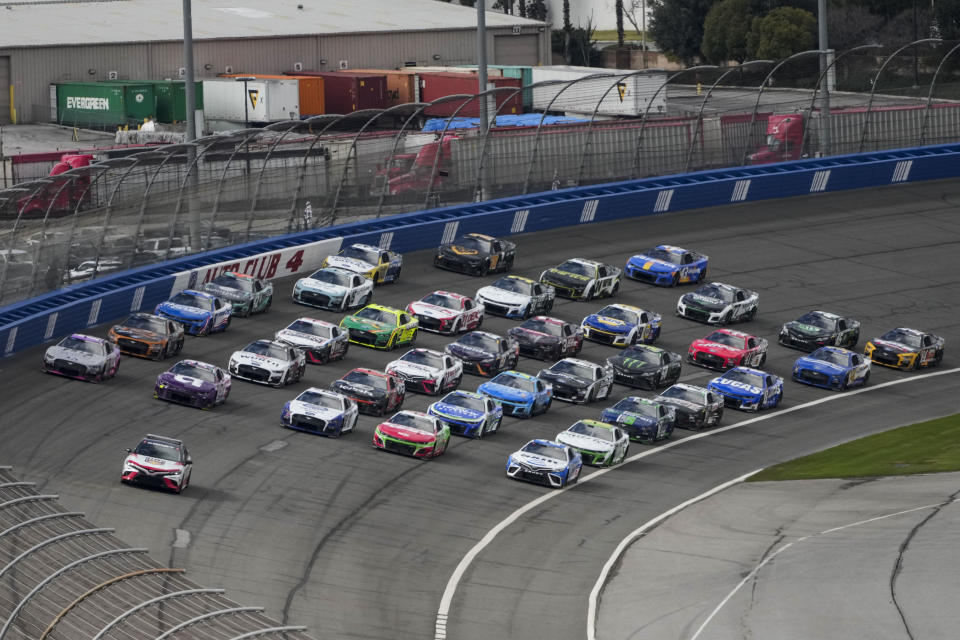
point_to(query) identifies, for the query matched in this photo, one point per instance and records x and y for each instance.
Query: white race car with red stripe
(447, 313)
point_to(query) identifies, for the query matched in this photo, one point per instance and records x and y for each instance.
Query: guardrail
(32, 322)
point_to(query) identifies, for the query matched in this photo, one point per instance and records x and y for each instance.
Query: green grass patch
(926, 447)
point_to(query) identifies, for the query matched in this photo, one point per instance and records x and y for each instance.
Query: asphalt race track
(359, 543)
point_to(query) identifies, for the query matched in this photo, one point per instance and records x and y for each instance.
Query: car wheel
(675, 280)
(726, 318)
(456, 382)
(366, 298)
(866, 379)
(616, 289)
(381, 409)
(229, 318)
(549, 307)
(248, 310)
(751, 315)
(269, 303)
(479, 322)
(528, 311)
(455, 329)
(763, 359)
(485, 268)
(702, 276)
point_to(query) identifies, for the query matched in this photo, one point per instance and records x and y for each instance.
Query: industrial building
(93, 40)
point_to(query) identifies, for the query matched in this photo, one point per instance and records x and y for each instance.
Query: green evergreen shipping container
(172, 100)
(103, 104)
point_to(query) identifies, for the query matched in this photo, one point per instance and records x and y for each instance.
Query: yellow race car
(380, 265)
(905, 349)
(381, 327)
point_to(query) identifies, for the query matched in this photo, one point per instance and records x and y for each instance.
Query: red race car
(726, 348)
(447, 313)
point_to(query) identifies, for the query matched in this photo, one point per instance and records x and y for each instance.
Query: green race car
(245, 294)
(381, 327)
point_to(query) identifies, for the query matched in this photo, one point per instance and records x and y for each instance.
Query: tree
(536, 10)
(618, 9)
(781, 33)
(946, 19)
(725, 31)
(677, 26)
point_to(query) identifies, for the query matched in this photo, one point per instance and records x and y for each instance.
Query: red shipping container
(347, 92)
(437, 85)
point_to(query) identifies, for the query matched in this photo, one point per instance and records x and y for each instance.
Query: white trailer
(262, 100)
(621, 96)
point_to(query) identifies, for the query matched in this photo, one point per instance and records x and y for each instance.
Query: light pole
(246, 115)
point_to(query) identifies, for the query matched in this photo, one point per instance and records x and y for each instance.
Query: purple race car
(193, 383)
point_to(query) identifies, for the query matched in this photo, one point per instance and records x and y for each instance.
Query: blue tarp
(522, 120)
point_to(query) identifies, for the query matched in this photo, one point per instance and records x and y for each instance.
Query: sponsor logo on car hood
(314, 410)
(632, 364)
(565, 378)
(542, 462)
(652, 264)
(154, 464)
(245, 357)
(716, 348)
(583, 441)
(300, 338)
(896, 346)
(183, 311)
(188, 383)
(626, 417)
(609, 324)
(350, 264)
(502, 296)
(566, 277)
(455, 411)
(226, 292)
(318, 286)
(404, 432)
(704, 301)
(529, 335)
(504, 392)
(404, 368)
(137, 334)
(432, 310)
(363, 324)
(807, 329)
(821, 365)
(468, 352)
(736, 386)
(679, 402)
(75, 356)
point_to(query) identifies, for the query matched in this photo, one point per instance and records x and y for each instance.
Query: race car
(725, 348)
(375, 392)
(199, 312)
(268, 362)
(545, 462)
(320, 411)
(468, 414)
(832, 368)
(319, 340)
(582, 279)
(600, 444)
(446, 313)
(193, 383)
(246, 293)
(547, 338)
(718, 303)
(412, 433)
(333, 289)
(905, 349)
(380, 265)
(819, 328)
(579, 381)
(381, 327)
(427, 371)
(748, 389)
(158, 461)
(643, 420)
(485, 354)
(519, 394)
(476, 254)
(667, 266)
(621, 325)
(516, 297)
(645, 366)
(82, 357)
(147, 336)
(695, 407)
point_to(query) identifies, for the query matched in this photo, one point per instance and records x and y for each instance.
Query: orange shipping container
(312, 99)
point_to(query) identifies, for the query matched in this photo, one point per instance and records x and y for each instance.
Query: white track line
(440, 632)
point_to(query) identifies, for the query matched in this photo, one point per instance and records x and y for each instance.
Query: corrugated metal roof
(110, 21)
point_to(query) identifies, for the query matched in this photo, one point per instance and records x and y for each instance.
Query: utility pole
(825, 55)
(481, 83)
(189, 96)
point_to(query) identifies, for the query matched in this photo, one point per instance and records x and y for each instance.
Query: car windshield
(362, 377)
(474, 243)
(413, 421)
(377, 315)
(903, 337)
(543, 326)
(479, 341)
(577, 267)
(714, 291)
(146, 323)
(359, 253)
(817, 320)
(515, 382)
(617, 313)
(592, 430)
(332, 277)
(193, 371)
(720, 337)
(643, 355)
(660, 254)
(573, 369)
(745, 377)
(440, 300)
(193, 300)
(635, 405)
(514, 285)
(320, 399)
(681, 393)
(311, 328)
(234, 281)
(87, 346)
(465, 401)
(160, 450)
(268, 349)
(831, 356)
(418, 356)
(545, 451)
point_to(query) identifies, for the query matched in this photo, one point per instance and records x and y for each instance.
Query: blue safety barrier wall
(32, 322)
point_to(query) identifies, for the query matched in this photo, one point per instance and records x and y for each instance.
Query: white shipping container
(267, 100)
(630, 97)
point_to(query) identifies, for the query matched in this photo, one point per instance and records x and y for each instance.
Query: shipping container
(96, 104)
(630, 97)
(525, 74)
(438, 85)
(401, 84)
(170, 96)
(349, 91)
(256, 101)
(311, 90)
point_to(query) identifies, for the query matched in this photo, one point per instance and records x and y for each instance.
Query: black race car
(646, 366)
(547, 338)
(375, 392)
(819, 329)
(696, 407)
(906, 349)
(476, 254)
(578, 381)
(485, 354)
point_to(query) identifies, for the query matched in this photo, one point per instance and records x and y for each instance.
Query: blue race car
(519, 394)
(320, 411)
(643, 420)
(832, 368)
(667, 266)
(622, 325)
(545, 462)
(748, 389)
(199, 312)
(468, 414)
